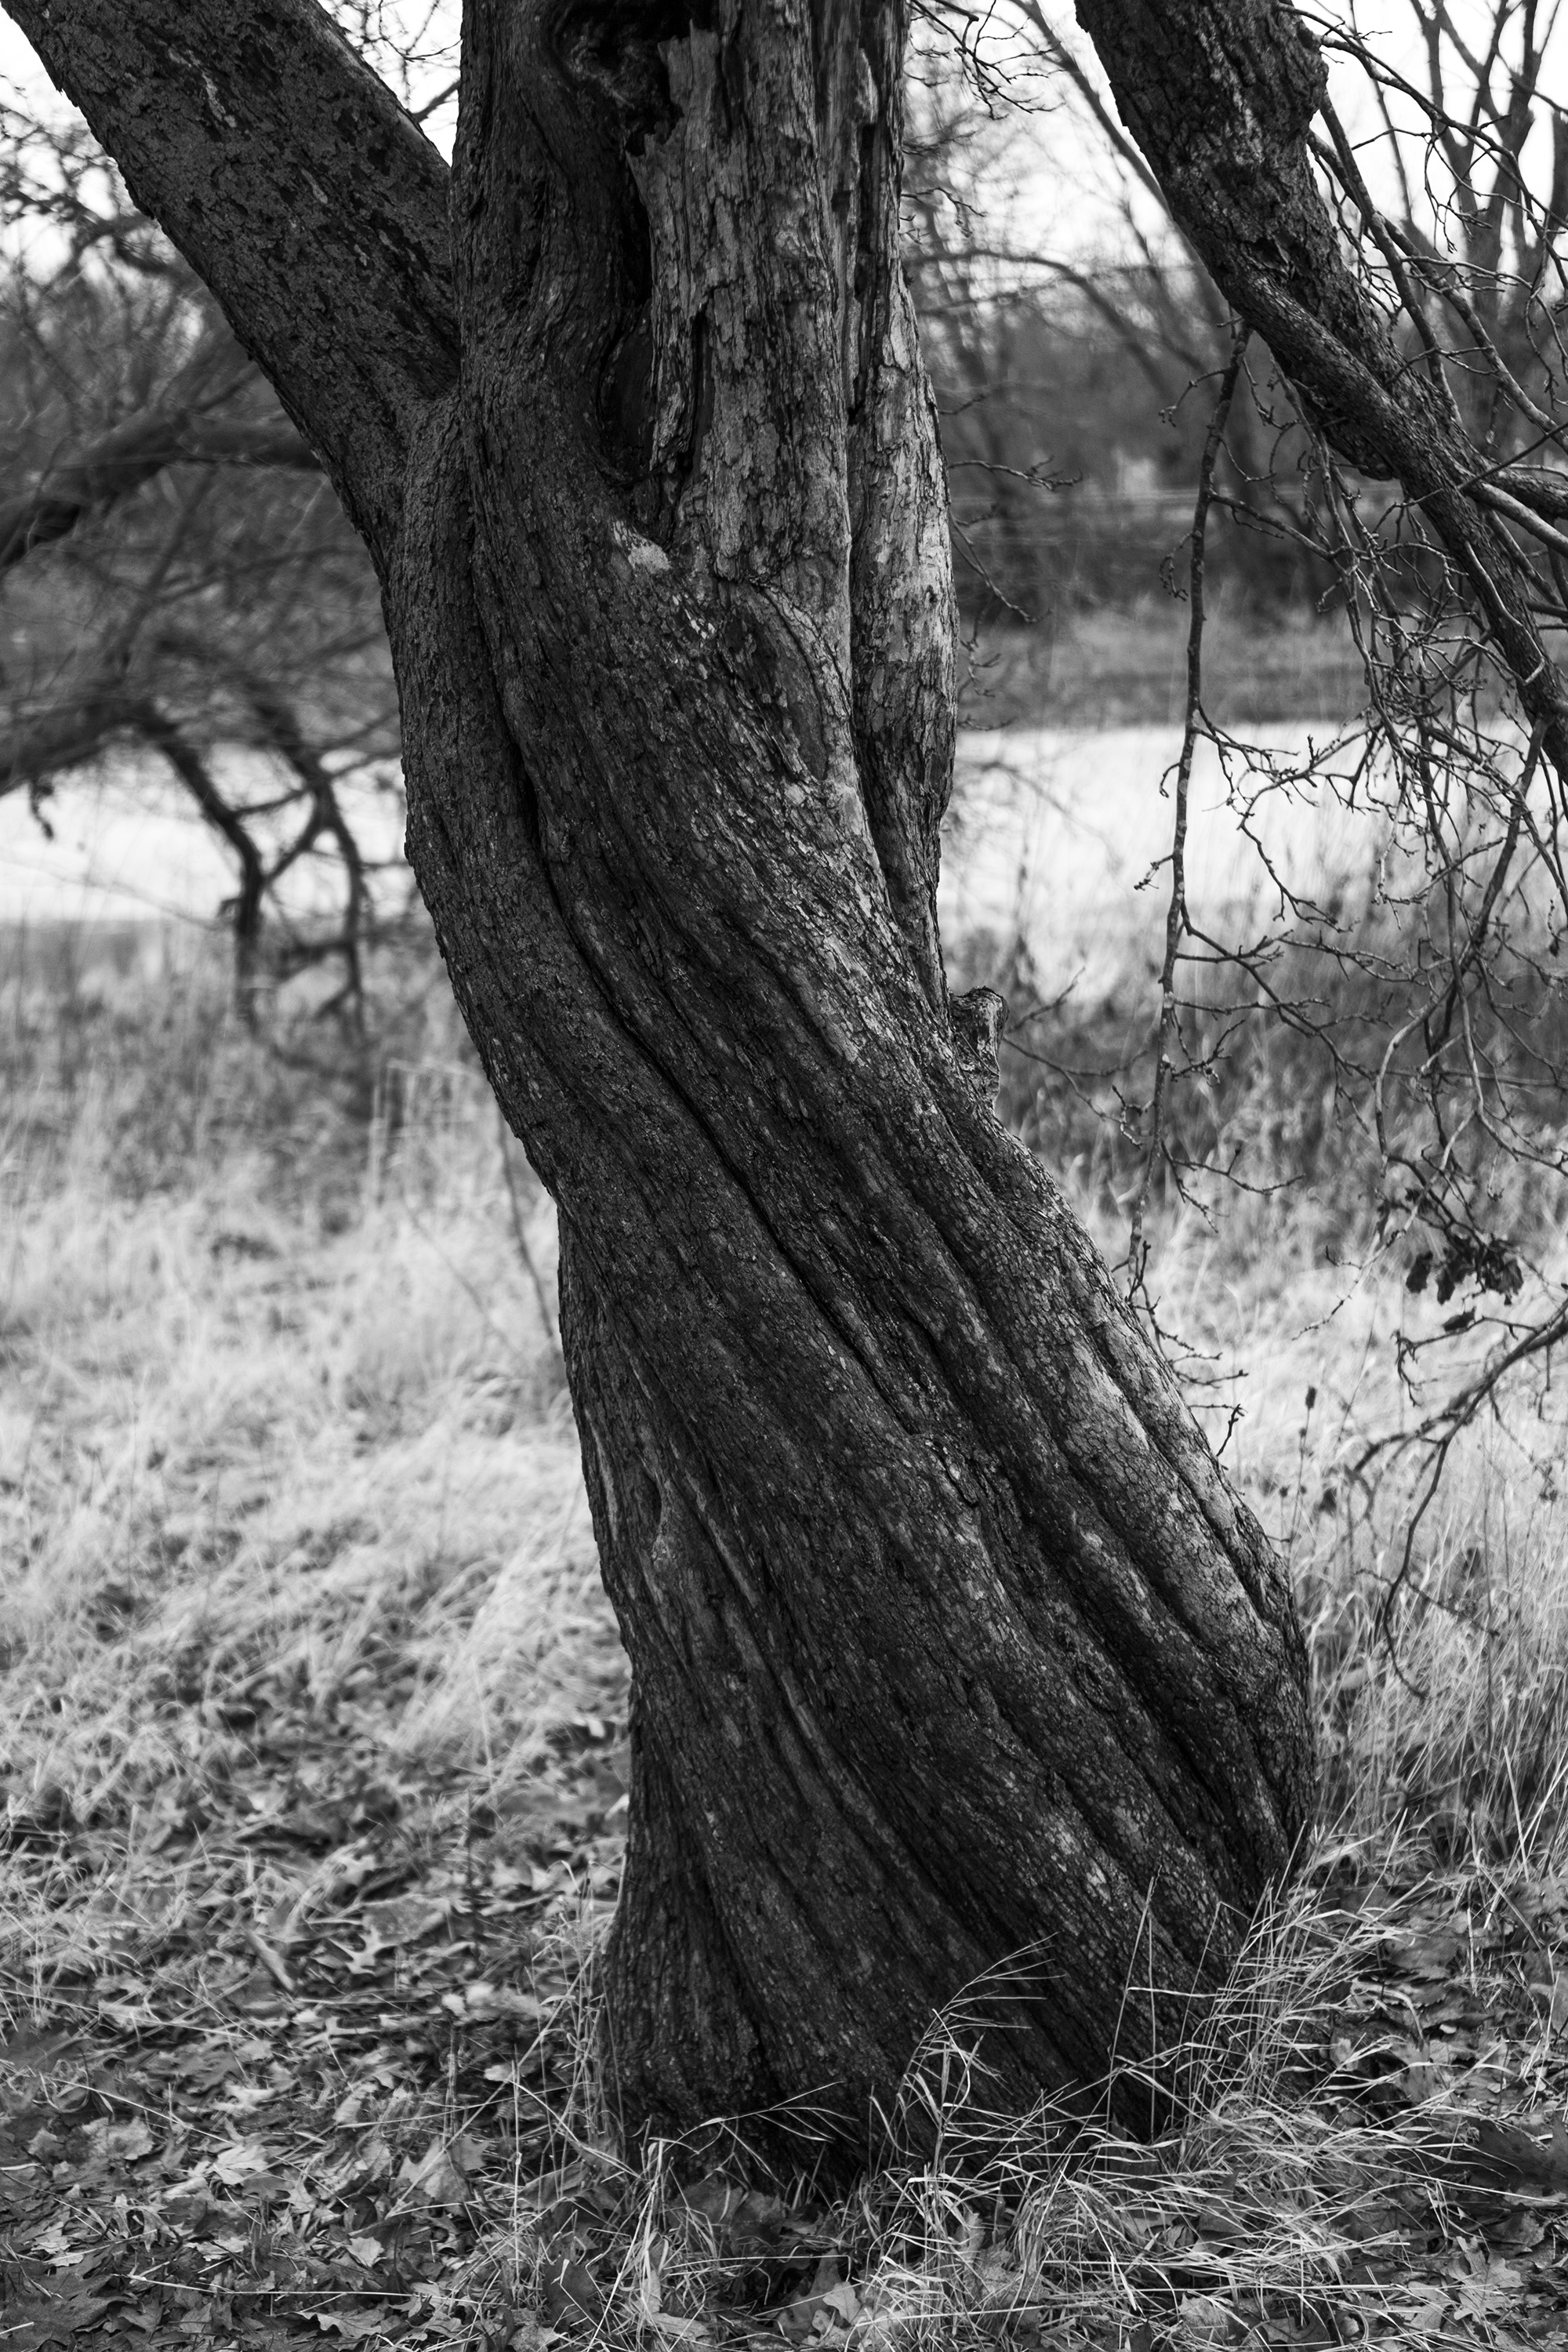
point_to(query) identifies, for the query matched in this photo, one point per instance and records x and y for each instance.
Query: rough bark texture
(949, 1640)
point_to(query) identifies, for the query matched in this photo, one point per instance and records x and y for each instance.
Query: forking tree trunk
(949, 1641)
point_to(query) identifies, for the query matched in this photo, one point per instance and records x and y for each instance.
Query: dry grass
(1125, 666)
(283, 1435)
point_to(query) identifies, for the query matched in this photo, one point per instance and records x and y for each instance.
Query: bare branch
(120, 461)
(68, 736)
(1247, 74)
(302, 194)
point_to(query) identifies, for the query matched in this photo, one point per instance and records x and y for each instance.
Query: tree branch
(298, 189)
(64, 737)
(119, 462)
(1220, 95)
(160, 731)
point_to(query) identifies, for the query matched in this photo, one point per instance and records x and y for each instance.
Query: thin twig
(1193, 725)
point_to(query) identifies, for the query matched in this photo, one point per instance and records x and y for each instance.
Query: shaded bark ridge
(947, 1638)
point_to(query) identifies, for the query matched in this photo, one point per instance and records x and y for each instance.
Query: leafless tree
(949, 1640)
(176, 577)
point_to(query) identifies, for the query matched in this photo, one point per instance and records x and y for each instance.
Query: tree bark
(956, 1663)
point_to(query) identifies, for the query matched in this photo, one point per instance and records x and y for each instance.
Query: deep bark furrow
(902, 597)
(742, 239)
(914, 1255)
(742, 1381)
(760, 1439)
(807, 1886)
(872, 522)
(916, 1245)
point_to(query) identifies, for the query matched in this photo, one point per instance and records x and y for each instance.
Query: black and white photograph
(783, 1175)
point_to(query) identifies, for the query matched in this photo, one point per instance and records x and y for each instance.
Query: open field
(314, 1716)
(1126, 667)
(120, 844)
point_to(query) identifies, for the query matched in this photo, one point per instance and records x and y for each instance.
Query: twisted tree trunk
(949, 1640)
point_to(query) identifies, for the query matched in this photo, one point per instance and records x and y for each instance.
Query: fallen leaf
(204, 2068)
(127, 2016)
(112, 2143)
(532, 2334)
(568, 2290)
(715, 2197)
(404, 1918)
(244, 2098)
(377, 2160)
(481, 2003)
(799, 2320)
(259, 1996)
(1206, 2319)
(52, 2319)
(239, 2161)
(436, 2177)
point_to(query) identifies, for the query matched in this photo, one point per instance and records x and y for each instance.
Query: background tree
(180, 588)
(1069, 329)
